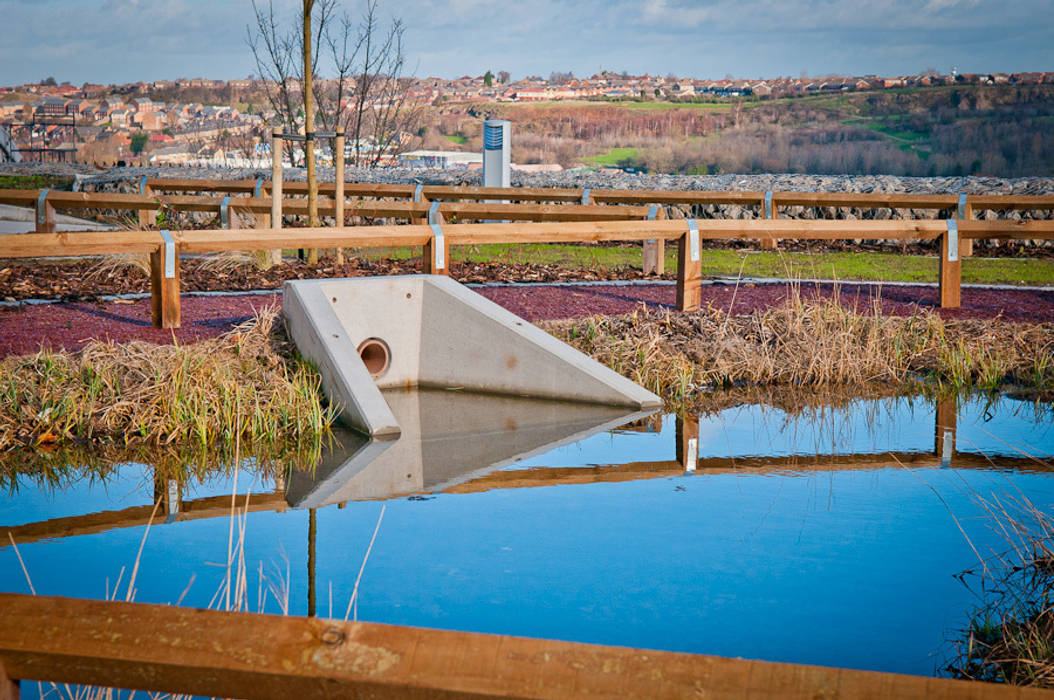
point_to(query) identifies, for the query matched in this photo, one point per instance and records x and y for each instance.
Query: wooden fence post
(965, 213)
(45, 214)
(147, 217)
(436, 259)
(689, 269)
(768, 211)
(338, 188)
(655, 248)
(950, 267)
(8, 686)
(276, 188)
(164, 283)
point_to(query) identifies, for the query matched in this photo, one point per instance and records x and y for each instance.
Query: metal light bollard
(437, 232)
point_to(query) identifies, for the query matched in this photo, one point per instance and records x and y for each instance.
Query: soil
(83, 280)
(70, 325)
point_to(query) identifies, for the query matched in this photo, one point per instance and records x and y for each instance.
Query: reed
(1010, 637)
(813, 342)
(246, 384)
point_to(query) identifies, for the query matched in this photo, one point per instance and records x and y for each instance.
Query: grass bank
(804, 342)
(244, 388)
(869, 266)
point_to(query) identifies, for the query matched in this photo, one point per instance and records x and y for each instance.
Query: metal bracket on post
(653, 212)
(42, 215)
(962, 207)
(225, 212)
(947, 448)
(170, 253)
(142, 185)
(258, 188)
(693, 240)
(437, 232)
(953, 240)
(417, 192)
(585, 195)
(768, 205)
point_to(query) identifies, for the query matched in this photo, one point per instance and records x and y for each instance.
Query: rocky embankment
(127, 180)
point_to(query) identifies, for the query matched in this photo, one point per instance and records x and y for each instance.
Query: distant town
(201, 122)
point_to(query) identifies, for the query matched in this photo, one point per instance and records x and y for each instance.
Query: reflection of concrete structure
(431, 332)
(448, 437)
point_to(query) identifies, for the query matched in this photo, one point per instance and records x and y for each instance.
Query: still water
(826, 536)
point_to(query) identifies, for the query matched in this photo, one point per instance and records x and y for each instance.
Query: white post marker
(693, 240)
(437, 232)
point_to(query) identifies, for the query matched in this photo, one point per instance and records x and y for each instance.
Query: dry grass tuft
(201, 395)
(813, 343)
(1010, 639)
(119, 265)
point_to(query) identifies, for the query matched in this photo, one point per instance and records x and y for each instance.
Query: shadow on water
(834, 525)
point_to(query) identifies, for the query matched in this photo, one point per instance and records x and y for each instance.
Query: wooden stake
(164, 291)
(966, 244)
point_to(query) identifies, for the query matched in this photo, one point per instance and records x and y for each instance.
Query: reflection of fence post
(689, 269)
(276, 188)
(946, 418)
(687, 436)
(950, 267)
(655, 248)
(768, 211)
(338, 188)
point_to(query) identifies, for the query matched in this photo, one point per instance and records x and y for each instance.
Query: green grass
(613, 157)
(890, 267)
(454, 138)
(34, 182)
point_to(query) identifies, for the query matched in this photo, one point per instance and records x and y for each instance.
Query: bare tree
(365, 91)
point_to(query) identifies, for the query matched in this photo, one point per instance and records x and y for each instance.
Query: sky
(116, 41)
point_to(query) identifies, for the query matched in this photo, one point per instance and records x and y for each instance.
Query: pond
(827, 535)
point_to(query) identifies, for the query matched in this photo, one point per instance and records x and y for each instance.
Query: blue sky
(127, 40)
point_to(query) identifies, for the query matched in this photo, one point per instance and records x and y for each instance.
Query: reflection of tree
(367, 94)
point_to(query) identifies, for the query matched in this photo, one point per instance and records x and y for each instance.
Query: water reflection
(805, 534)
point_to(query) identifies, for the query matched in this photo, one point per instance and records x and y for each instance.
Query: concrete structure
(431, 332)
(448, 437)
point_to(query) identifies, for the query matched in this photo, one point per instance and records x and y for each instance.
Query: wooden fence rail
(165, 247)
(207, 652)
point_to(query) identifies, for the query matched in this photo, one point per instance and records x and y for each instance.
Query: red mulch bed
(70, 325)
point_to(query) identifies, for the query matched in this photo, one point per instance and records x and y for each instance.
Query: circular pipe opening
(375, 355)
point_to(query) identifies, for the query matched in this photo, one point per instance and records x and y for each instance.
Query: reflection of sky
(846, 568)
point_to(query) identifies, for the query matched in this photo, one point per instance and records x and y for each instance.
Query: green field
(460, 140)
(889, 267)
(612, 157)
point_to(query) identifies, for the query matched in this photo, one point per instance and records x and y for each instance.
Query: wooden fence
(225, 654)
(165, 246)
